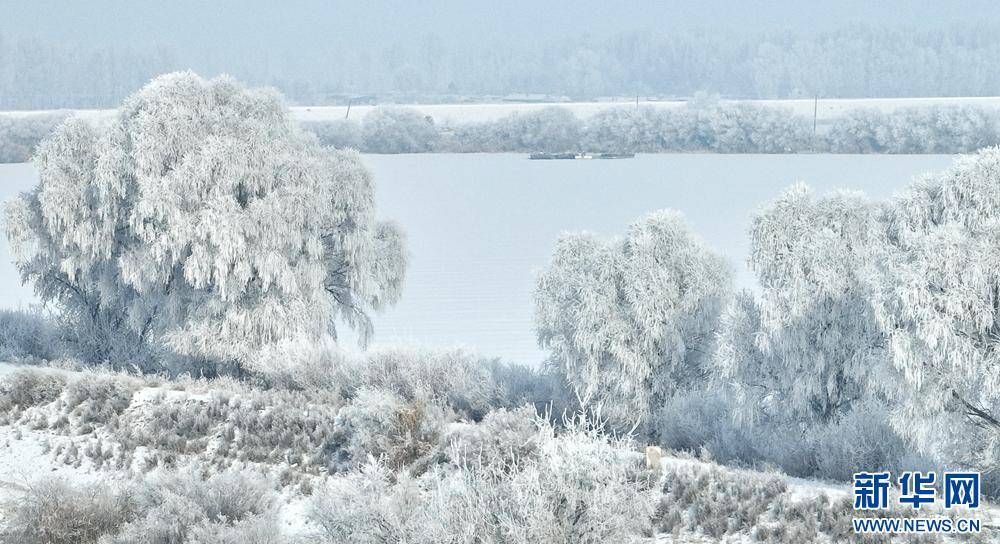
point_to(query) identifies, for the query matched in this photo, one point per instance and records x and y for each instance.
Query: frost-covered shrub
(517, 385)
(274, 427)
(97, 399)
(702, 419)
(382, 424)
(398, 130)
(467, 383)
(338, 133)
(207, 234)
(713, 500)
(56, 512)
(177, 424)
(578, 487)
(502, 437)
(860, 441)
(305, 365)
(30, 387)
(631, 320)
(21, 134)
(228, 507)
(27, 334)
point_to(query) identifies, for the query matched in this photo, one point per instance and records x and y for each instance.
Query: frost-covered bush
(57, 512)
(227, 507)
(339, 133)
(383, 425)
(30, 387)
(701, 420)
(223, 427)
(862, 440)
(469, 384)
(202, 222)
(631, 320)
(578, 487)
(502, 438)
(182, 503)
(95, 399)
(398, 130)
(714, 501)
(21, 134)
(27, 334)
(299, 363)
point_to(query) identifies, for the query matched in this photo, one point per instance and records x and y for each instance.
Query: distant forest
(851, 61)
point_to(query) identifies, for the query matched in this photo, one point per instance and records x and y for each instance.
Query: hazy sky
(191, 26)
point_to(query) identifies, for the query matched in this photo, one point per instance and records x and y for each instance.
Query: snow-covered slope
(36, 447)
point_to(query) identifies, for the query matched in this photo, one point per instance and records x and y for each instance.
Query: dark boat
(552, 156)
(543, 156)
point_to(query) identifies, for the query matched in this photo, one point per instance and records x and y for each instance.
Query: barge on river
(567, 156)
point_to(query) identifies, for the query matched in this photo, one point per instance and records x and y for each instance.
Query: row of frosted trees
(698, 127)
(702, 126)
(872, 342)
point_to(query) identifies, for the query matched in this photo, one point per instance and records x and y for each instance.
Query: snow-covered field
(460, 113)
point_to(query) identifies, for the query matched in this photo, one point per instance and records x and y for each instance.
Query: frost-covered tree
(20, 134)
(202, 220)
(551, 129)
(939, 298)
(861, 130)
(398, 130)
(548, 129)
(746, 128)
(630, 320)
(339, 133)
(807, 350)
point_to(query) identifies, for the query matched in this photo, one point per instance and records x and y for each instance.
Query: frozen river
(480, 225)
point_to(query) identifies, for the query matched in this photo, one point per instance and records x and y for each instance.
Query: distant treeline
(846, 62)
(696, 128)
(19, 135)
(706, 128)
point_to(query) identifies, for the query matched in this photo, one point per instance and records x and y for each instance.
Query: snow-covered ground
(25, 457)
(459, 113)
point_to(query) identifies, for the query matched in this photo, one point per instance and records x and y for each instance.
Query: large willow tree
(202, 221)
(810, 347)
(628, 321)
(939, 298)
